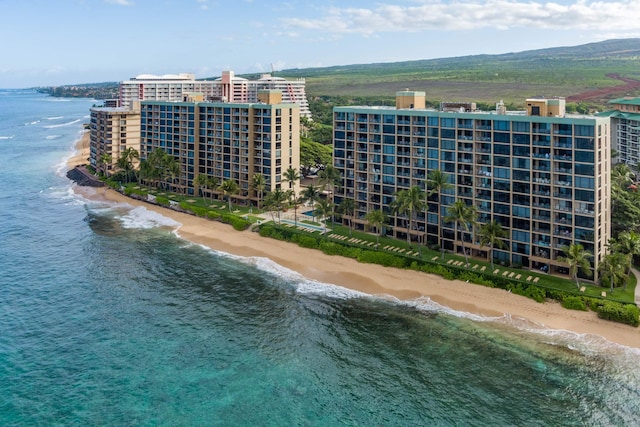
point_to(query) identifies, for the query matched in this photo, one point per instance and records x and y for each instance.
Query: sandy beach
(374, 279)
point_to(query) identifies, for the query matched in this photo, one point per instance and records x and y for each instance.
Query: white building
(228, 88)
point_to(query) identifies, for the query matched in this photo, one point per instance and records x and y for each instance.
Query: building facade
(226, 141)
(625, 129)
(112, 130)
(543, 176)
(228, 88)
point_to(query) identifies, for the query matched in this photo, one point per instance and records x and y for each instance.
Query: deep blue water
(108, 318)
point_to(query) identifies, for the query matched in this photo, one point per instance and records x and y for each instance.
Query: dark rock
(81, 176)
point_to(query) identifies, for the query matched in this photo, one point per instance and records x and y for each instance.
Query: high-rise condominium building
(625, 129)
(112, 130)
(544, 176)
(226, 141)
(228, 88)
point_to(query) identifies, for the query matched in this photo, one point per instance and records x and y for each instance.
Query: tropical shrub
(574, 303)
(305, 241)
(382, 258)
(623, 313)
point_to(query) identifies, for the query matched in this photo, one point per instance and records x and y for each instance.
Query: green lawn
(424, 253)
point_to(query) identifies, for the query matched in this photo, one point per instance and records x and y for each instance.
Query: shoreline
(372, 279)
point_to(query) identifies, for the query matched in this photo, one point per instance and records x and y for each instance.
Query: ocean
(108, 317)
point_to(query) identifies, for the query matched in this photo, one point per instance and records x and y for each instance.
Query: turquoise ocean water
(107, 317)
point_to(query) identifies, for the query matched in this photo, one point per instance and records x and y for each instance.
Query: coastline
(369, 278)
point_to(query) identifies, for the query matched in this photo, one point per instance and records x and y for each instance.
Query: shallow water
(107, 317)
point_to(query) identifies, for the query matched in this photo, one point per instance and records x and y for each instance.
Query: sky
(58, 42)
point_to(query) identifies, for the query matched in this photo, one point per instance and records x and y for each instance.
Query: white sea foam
(73, 122)
(52, 137)
(7, 137)
(35, 122)
(55, 118)
(66, 194)
(142, 218)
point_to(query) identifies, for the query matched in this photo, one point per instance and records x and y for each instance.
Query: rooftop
(626, 100)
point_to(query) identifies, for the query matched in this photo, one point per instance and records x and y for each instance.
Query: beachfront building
(111, 131)
(226, 141)
(542, 175)
(227, 88)
(625, 129)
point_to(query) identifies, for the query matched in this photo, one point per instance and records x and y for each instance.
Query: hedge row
(610, 310)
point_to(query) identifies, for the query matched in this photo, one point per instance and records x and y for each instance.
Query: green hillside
(561, 71)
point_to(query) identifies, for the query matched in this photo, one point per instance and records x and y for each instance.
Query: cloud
(473, 15)
(121, 2)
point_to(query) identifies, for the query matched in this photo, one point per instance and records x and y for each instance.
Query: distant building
(544, 176)
(625, 129)
(112, 130)
(226, 140)
(228, 88)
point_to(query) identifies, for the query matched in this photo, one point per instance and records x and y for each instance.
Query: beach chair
(504, 273)
(434, 258)
(518, 276)
(603, 294)
(450, 261)
(511, 275)
(475, 266)
(529, 278)
(536, 280)
(484, 267)
(582, 289)
(496, 271)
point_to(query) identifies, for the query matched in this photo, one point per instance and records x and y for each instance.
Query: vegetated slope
(561, 71)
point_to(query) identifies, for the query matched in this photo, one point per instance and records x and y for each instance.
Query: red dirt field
(607, 92)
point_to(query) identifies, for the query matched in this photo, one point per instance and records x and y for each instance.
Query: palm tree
(463, 216)
(437, 182)
(330, 176)
(105, 160)
(259, 183)
(292, 176)
(628, 243)
(172, 168)
(376, 219)
(275, 200)
(410, 202)
(324, 208)
(212, 184)
(125, 161)
(295, 202)
(153, 166)
(491, 234)
(578, 259)
(621, 176)
(311, 195)
(348, 208)
(202, 182)
(229, 188)
(612, 269)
